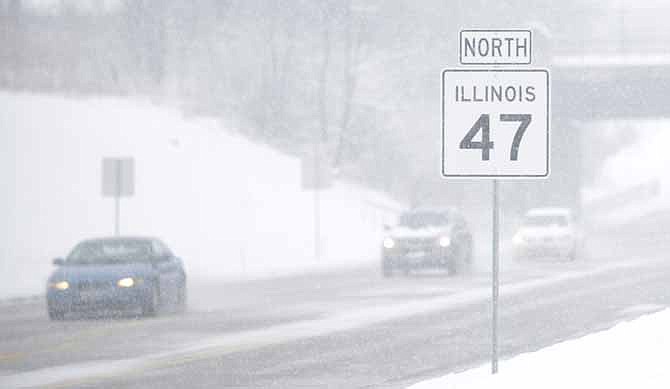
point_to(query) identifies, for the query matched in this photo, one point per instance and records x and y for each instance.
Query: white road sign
(495, 47)
(495, 123)
(118, 177)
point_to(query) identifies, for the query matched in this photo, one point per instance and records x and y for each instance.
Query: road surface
(350, 328)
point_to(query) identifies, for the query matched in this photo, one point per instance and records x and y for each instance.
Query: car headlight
(62, 285)
(518, 239)
(389, 243)
(127, 282)
(445, 241)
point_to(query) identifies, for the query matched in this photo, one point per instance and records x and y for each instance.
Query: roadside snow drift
(630, 186)
(630, 355)
(227, 206)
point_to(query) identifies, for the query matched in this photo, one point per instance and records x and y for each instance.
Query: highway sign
(118, 180)
(118, 177)
(495, 123)
(495, 47)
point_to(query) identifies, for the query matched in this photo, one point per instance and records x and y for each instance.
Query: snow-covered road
(346, 329)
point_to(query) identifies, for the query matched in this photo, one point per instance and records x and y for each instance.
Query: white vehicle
(547, 232)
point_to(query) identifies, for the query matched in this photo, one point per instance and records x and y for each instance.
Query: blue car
(119, 273)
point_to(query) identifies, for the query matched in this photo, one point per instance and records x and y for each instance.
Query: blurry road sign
(495, 123)
(118, 177)
(118, 180)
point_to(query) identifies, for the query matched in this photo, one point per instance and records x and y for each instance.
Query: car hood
(427, 232)
(103, 272)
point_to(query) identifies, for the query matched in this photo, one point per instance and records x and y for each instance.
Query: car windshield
(423, 219)
(110, 251)
(545, 220)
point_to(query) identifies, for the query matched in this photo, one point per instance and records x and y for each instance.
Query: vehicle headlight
(518, 239)
(445, 241)
(62, 285)
(389, 243)
(127, 282)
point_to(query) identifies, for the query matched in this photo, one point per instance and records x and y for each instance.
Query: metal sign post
(316, 175)
(495, 125)
(118, 180)
(496, 281)
(117, 199)
(117, 215)
(317, 204)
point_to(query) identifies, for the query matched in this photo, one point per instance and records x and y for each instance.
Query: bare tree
(353, 31)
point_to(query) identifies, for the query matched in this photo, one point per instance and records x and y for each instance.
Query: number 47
(486, 144)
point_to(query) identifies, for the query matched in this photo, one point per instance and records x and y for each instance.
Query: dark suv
(427, 238)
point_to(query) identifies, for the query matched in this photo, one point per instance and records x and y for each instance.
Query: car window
(156, 249)
(109, 251)
(161, 249)
(546, 220)
(423, 219)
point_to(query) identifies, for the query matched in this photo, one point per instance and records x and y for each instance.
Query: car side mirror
(387, 227)
(59, 261)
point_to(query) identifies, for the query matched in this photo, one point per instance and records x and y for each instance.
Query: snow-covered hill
(634, 182)
(227, 206)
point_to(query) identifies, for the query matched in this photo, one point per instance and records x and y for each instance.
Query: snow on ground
(635, 181)
(630, 355)
(334, 319)
(229, 207)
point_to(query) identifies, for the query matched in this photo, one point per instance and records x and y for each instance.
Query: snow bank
(227, 206)
(634, 182)
(630, 355)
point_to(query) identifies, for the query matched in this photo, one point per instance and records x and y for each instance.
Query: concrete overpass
(584, 89)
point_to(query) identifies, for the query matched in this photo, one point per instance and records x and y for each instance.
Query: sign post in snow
(118, 180)
(495, 124)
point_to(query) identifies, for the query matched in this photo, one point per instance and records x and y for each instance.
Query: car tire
(469, 251)
(56, 315)
(468, 257)
(182, 297)
(150, 305)
(387, 269)
(453, 268)
(459, 261)
(454, 265)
